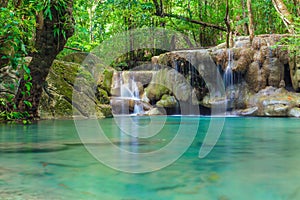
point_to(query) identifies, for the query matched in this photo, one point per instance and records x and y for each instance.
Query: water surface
(255, 158)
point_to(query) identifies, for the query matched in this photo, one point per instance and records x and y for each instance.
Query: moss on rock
(167, 101)
(70, 90)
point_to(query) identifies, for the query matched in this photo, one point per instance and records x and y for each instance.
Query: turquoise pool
(254, 158)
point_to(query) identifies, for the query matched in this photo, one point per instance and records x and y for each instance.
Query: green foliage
(293, 42)
(16, 42)
(97, 21)
(8, 115)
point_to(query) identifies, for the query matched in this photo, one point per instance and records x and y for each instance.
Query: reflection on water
(255, 158)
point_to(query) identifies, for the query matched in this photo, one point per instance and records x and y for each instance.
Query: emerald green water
(255, 158)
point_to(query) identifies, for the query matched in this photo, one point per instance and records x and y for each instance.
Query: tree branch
(285, 15)
(251, 25)
(158, 8)
(205, 24)
(227, 22)
(74, 49)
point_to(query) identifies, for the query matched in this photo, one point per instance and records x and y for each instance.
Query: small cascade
(138, 107)
(128, 97)
(228, 79)
(228, 75)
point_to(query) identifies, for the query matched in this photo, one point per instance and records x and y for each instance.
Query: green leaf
(23, 48)
(48, 13)
(28, 86)
(26, 69)
(27, 103)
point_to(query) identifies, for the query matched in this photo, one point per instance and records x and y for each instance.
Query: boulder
(294, 112)
(276, 110)
(248, 111)
(168, 81)
(255, 77)
(243, 61)
(275, 71)
(144, 77)
(274, 102)
(105, 79)
(69, 91)
(88, 60)
(156, 111)
(126, 106)
(167, 101)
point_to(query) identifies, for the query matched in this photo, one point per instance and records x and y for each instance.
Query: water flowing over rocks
(261, 82)
(258, 79)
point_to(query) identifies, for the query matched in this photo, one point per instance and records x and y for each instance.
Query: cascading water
(228, 75)
(138, 107)
(229, 81)
(128, 92)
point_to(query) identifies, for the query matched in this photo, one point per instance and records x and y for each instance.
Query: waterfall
(128, 92)
(228, 75)
(138, 107)
(229, 81)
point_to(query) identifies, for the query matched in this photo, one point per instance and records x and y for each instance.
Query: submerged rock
(294, 112)
(274, 102)
(126, 106)
(248, 111)
(31, 147)
(156, 111)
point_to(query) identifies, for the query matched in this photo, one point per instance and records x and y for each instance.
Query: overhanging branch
(205, 24)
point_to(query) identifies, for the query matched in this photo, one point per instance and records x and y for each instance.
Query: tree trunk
(3, 3)
(160, 13)
(227, 22)
(285, 15)
(251, 25)
(245, 26)
(48, 45)
(297, 6)
(158, 7)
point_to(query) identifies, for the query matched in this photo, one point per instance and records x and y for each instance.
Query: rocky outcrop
(258, 69)
(169, 90)
(70, 91)
(167, 101)
(271, 101)
(263, 81)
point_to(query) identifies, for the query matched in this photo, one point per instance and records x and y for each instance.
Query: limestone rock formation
(168, 81)
(273, 101)
(255, 67)
(70, 90)
(167, 101)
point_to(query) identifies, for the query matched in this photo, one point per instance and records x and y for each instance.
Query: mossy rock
(82, 58)
(102, 96)
(168, 81)
(105, 79)
(156, 91)
(105, 109)
(167, 101)
(70, 90)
